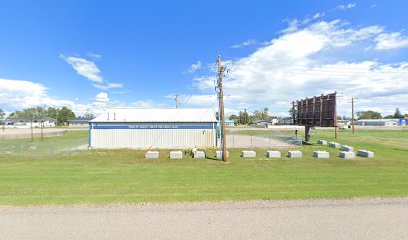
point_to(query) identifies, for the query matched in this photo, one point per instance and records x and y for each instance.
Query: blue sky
(91, 55)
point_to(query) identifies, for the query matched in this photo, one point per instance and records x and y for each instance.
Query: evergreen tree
(398, 114)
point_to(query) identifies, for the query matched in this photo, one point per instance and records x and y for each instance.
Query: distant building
(265, 123)
(229, 122)
(31, 122)
(403, 122)
(286, 121)
(79, 122)
(378, 122)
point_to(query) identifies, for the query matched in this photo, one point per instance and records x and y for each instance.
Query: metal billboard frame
(316, 112)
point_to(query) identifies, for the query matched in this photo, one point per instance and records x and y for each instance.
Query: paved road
(322, 219)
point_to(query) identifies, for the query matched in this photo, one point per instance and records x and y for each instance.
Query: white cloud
(145, 104)
(20, 94)
(318, 15)
(293, 26)
(17, 94)
(247, 43)
(195, 67)
(347, 6)
(295, 65)
(387, 41)
(102, 97)
(84, 68)
(89, 70)
(203, 82)
(94, 56)
(121, 92)
(108, 86)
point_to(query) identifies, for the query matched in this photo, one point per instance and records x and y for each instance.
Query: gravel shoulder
(298, 219)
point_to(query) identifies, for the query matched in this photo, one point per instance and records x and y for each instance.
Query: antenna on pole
(177, 100)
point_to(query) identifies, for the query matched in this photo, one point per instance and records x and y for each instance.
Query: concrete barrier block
(321, 154)
(199, 154)
(152, 154)
(346, 154)
(176, 154)
(248, 154)
(334, 145)
(322, 142)
(219, 153)
(273, 154)
(347, 148)
(295, 154)
(365, 153)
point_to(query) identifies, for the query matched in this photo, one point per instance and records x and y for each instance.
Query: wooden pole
(335, 117)
(224, 156)
(352, 113)
(31, 126)
(321, 110)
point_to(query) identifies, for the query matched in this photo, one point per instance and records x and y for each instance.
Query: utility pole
(42, 124)
(352, 113)
(177, 100)
(31, 126)
(336, 127)
(221, 69)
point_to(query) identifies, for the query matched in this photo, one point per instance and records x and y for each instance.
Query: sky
(93, 55)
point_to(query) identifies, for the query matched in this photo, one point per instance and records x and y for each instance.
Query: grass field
(49, 146)
(124, 176)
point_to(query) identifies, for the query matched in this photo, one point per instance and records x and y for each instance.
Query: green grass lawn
(47, 147)
(124, 176)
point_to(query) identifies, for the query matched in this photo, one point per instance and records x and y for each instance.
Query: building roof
(144, 115)
(262, 121)
(80, 119)
(30, 119)
(378, 120)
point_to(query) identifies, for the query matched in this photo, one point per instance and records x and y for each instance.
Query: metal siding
(152, 138)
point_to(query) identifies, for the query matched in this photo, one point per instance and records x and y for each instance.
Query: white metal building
(378, 122)
(31, 122)
(153, 128)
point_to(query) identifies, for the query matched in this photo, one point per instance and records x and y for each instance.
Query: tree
(234, 117)
(89, 115)
(61, 115)
(398, 114)
(53, 113)
(369, 115)
(243, 117)
(389, 117)
(64, 114)
(36, 112)
(2, 114)
(265, 115)
(291, 112)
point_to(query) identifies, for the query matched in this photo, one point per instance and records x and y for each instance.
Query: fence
(41, 149)
(262, 139)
